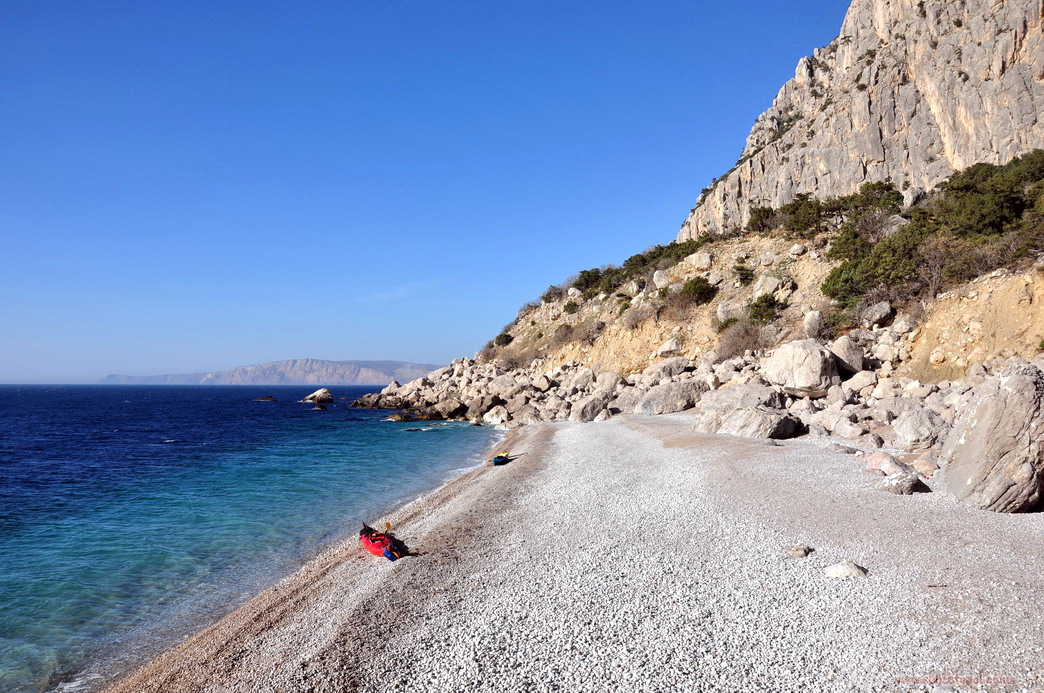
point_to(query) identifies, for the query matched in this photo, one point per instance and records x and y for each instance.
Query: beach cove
(634, 554)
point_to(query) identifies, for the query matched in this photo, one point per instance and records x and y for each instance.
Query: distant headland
(292, 372)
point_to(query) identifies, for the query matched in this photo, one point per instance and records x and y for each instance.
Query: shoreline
(636, 552)
(335, 550)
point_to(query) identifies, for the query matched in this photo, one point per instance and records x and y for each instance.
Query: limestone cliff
(910, 90)
(293, 372)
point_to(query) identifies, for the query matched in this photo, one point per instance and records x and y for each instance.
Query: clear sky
(190, 186)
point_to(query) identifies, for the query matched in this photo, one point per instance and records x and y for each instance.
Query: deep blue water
(130, 515)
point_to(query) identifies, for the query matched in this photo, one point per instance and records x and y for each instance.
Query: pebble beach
(635, 554)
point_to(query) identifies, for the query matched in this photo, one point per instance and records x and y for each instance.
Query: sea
(132, 516)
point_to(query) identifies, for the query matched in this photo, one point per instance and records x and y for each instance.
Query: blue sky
(194, 186)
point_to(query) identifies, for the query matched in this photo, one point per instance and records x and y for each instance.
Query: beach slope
(636, 555)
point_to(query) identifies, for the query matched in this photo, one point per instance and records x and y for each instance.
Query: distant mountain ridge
(292, 372)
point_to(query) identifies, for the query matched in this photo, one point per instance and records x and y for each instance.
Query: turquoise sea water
(131, 516)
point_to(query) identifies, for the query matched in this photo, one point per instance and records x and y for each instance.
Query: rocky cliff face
(293, 372)
(910, 90)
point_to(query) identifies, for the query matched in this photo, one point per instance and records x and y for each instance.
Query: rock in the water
(995, 452)
(845, 569)
(320, 396)
(798, 551)
(318, 407)
(804, 368)
(266, 398)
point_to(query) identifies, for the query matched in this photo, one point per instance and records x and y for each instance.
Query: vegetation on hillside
(596, 280)
(978, 220)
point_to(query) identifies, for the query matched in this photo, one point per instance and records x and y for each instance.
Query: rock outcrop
(909, 91)
(995, 455)
(320, 396)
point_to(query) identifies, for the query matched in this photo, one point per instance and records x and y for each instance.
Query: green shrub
(977, 220)
(743, 273)
(762, 219)
(571, 307)
(552, 294)
(698, 291)
(624, 307)
(503, 339)
(764, 310)
(722, 325)
(607, 279)
(663, 292)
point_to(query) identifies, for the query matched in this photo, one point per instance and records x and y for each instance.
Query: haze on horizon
(196, 187)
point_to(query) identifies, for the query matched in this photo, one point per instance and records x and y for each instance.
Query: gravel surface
(635, 555)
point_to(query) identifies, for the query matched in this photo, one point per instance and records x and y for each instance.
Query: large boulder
(995, 452)
(804, 368)
(664, 399)
(588, 408)
(496, 416)
(750, 422)
(667, 368)
(480, 405)
(502, 385)
(700, 261)
(918, 429)
(320, 396)
(813, 323)
(450, 408)
(849, 355)
(627, 400)
(608, 382)
(876, 314)
(741, 396)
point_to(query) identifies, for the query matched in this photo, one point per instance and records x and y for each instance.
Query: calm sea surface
(133, 515)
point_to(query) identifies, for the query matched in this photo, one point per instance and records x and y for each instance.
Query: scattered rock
(813, 323)
(876, 314)
(903, 483)
(798, 551)
(845, 569)
(849, 355)
(803, 368)
(669, 348)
